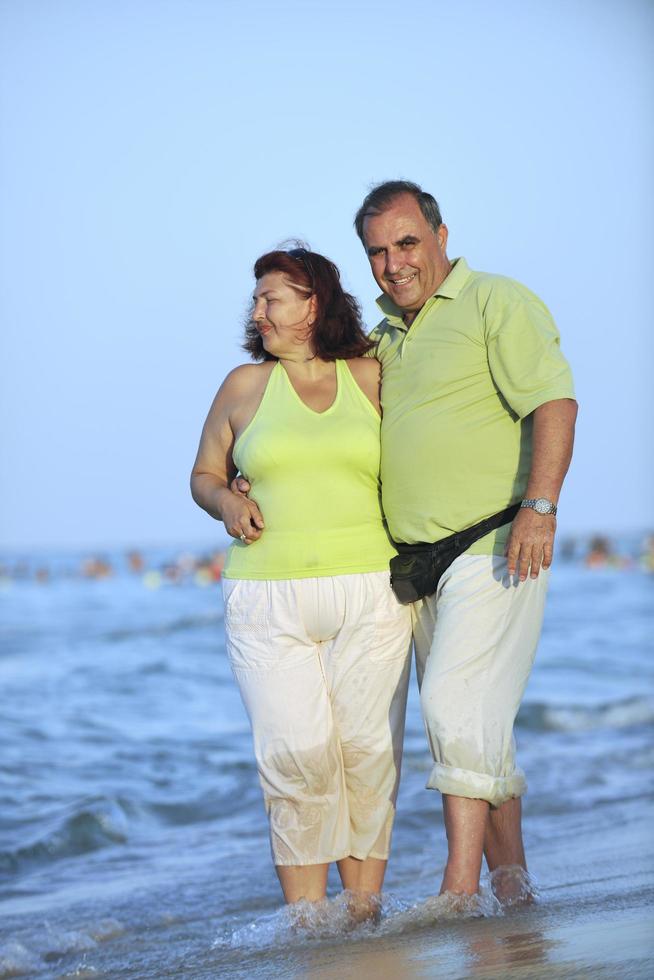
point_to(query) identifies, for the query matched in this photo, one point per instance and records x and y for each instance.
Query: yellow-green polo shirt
(458, 390)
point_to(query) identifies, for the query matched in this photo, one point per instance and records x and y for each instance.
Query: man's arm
(531, 542)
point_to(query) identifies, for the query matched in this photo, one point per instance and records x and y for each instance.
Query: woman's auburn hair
(337, 333)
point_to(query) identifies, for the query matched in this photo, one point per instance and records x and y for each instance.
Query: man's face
(406, 256)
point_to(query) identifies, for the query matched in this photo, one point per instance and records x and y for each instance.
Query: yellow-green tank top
(315, 478)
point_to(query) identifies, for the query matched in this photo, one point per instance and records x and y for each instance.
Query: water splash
(306, 923)
(105, 929)
(17, 961)
(513, 885)
(447, 907)
(82, 972)
(298, 924)
(57, 943)
(53, 944)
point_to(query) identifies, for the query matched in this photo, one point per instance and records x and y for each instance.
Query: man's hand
(241, 517)
(531, 543)
(240, 485)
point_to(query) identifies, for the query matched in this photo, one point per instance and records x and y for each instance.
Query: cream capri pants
(323, 665)
(475, 642)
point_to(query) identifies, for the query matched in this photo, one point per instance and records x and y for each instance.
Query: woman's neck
(306, 364)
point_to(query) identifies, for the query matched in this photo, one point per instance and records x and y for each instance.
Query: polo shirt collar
(449, 289)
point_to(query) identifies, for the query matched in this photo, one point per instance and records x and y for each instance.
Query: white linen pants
(475, 642)
(323, 665)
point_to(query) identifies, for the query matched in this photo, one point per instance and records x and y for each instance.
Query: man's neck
(409, 315)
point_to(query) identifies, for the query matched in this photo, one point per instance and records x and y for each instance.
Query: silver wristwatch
(540, 504)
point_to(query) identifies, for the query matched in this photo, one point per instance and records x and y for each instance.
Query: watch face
(542, 506)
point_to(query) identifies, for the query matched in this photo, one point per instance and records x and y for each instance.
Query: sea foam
(304, 923)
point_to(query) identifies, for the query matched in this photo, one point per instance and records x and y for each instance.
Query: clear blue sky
(151, 149)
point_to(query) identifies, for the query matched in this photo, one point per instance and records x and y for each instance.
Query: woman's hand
(241, 516)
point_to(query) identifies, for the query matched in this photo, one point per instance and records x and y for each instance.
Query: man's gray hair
(385, 193)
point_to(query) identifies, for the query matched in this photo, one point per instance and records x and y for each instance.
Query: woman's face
(283, 316)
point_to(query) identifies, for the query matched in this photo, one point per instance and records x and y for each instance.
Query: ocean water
(133, 841)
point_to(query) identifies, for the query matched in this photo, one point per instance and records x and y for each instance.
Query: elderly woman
(318, 644)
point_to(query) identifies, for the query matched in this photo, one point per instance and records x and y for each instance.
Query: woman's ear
(313, 310)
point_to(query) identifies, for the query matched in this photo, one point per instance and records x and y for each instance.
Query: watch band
(540, 504)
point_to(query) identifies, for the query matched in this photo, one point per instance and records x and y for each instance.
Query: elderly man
(479, 414)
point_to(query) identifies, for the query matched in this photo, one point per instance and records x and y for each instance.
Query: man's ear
(441, 235)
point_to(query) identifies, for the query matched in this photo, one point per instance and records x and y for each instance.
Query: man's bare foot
(513, 885)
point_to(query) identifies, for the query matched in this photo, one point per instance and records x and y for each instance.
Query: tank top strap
(274, 393)
(351, 393)
(274, 385)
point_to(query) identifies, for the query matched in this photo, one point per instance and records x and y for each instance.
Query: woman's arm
(214, 467)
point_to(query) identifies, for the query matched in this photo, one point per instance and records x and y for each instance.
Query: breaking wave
(538, 716)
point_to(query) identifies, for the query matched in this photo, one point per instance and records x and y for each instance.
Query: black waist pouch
(416, 570)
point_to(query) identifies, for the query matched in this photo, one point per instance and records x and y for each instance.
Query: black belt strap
(461, 540)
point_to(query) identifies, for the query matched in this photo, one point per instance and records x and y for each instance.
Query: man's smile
(401, 281)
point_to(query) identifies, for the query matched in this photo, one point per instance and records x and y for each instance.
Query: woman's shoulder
(247, 377)
(241, 385)
(365, 369)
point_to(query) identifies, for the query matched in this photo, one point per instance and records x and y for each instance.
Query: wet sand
(526, 945)
(540, 942)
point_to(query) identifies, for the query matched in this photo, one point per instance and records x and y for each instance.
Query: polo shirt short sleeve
(524, 354)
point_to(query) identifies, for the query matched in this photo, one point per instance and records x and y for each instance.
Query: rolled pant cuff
(477, 785)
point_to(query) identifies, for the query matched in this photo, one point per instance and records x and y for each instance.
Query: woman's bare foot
(363, 907)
